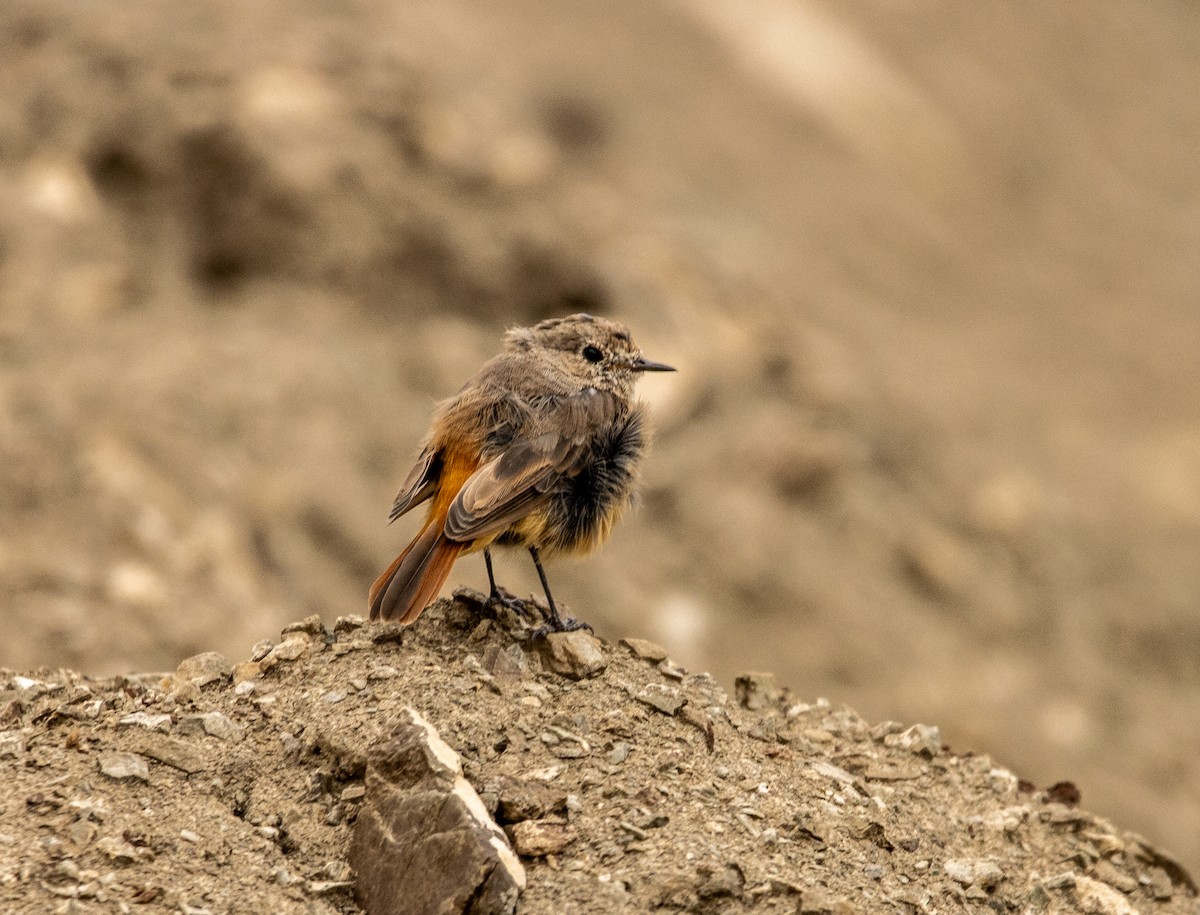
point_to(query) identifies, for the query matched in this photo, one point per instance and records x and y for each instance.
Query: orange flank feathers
(416, 576)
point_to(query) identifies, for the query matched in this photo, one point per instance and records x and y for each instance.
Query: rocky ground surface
(623, 782)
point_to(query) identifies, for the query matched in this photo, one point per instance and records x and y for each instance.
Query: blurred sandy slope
(928, 271)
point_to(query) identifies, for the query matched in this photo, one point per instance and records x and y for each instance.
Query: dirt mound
(637, 787)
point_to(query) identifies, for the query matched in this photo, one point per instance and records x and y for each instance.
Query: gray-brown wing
(549, 445)
(510, 486)
(419, 484)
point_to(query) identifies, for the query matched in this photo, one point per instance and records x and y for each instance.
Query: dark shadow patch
(576, 124)
(547, 284)
(242, 226)
(116, 170)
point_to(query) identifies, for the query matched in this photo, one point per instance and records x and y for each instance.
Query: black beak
(642, 364)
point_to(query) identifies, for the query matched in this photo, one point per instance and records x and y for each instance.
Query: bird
(541, 449)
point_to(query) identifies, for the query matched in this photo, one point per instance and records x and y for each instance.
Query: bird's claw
(560, 624)
(501, 597)
(532, 609)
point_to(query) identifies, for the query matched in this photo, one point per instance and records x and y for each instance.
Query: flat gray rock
(124, 765)
(423, 842)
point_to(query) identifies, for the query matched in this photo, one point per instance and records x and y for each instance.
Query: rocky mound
(623, 783)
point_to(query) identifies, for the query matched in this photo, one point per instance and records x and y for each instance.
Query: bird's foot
(531, 610)
(556, 623)
(501, 597)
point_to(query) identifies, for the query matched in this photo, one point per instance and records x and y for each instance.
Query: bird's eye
(592, 353)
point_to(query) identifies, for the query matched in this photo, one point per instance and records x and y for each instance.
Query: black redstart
(540, 449)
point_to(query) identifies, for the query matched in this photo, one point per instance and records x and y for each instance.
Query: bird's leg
(557, 623)
(496, 594)
(493, 592)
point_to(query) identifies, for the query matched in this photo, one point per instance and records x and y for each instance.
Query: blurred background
(929, 272)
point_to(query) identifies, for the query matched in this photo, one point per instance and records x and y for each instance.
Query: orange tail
(416, 576)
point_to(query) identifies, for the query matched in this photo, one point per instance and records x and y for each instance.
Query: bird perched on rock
(539, 450)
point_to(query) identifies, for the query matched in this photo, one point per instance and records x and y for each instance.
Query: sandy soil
(928, 273)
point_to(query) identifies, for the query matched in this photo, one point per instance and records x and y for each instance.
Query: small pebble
(619, 753)
(576, 655)
(332, 697)
(68, 869)
(81, 833)
(202, 669)
(881, 730)
(220, 725)
(1104, 870)
(635, 831)
(1161, 887)
(140, 719)
(548, 774)
(646, 650)
(663, 698)
(11, 744)
(214, 724)
(247, 671)
(537, 838)
(124, 765)
(755, 690)
(291, 649)
(480, 632)
(1100, 898)
(185, 692)
(829, 770)
(1002, 781)
(982, 873)
(671, 670)
(923, 739)
(116, 850)
(310, 625)
(1059, 881)
(321, 887)
(188, 836)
